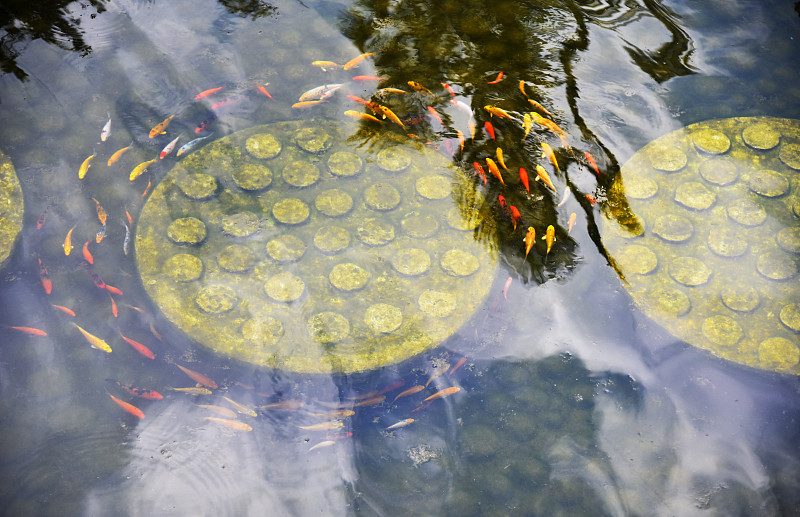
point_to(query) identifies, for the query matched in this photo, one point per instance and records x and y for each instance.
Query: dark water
(572, 402)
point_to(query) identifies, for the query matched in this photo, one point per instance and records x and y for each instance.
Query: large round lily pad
(721, 235)
(11, 207)
(335, 261)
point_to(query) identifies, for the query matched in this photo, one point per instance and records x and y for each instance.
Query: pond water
(554, 392)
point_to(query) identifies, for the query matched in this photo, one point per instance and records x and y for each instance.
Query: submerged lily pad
(718, 265)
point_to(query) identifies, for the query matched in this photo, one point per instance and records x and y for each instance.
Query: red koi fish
(480, 172)
(42, 218)
(444, 393)
(503, 206)
(198, 377)
(515, 215)
(207, 93)
(590, 159)
(368, 78)
(523, 177)
(449, 89)
(435, 115)
(65, 310)
(86, 253)
(129, 408)
(263, 90)
(489, 129)
(496, 79)
(30, 330)
(142, 393)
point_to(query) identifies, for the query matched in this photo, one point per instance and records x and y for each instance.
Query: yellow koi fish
(572, 218)
(94, 341)
(547, 152)
(193, 391)
(358, 115)
(241, 408)
(141, 168)
(116, 156)
(497, 112)
(85, 166)
(549, 124)
(357, 61)
(219, 410)
(68, 242)
(549, 238)
(327, 65)
(230, 424)
(494, 170)
(500, 158)
(161, 126)
(530, 238)
(527, 124)
(542, 175)
(387, 113)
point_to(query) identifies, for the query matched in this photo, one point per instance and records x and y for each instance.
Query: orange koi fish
(116, 156)
(369, 104)
(207, 93)
(449, 89)
(527, 124)
(497, 79)
(161, 126)
(547, 152)
(515, 215)
(544, 176)
(84, 168)
(142, 393)
(540, 107)
(101, 212)
(370, 402)
(147, 188)
(444, 393)
(409, 391)
(65, 310)
(401, 423)
(500, 158)
(198, 377)
(458, 365)
(44, 276)
(549, 238)
(128, 215)
(141, 168)
(112, 289)
(358, 115)
(114, 310)
(138, 347)
(30, 330)
(230, 424)
(503, 205)
(357, 61)
(386, 112)
(327, 65)
(306, 104)
(418, 87)
(94, 341)
(549, 124)
(263, 90)
(572, 218)
(494, 170)
(129, 408)
(324, 426)
(227, 413)
(591, 199)
(472, 128)
(435, 114)
(530, 239)
(438, 373)
(489, 129)
(522, 88)
(494, 111)
(334, 413)
(240, 408)
(590, 159)
(285, 405)
(368, 78)
(461, 140)
(479, 171)
(523, 177)
(86, 253)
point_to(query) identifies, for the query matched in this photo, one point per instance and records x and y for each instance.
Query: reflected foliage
(252, 9)
(535, 44)
(51, 21)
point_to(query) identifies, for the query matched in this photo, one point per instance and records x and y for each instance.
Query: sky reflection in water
(572, 402)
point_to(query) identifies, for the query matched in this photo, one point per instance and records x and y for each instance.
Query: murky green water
(563, 398)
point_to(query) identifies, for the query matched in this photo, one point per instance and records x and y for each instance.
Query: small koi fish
(496, 79)
(207, 93)
(549, 124)
(106, 131)
(527, 124)
(522, 88)
(227, 413)
(129, 408)
(116, 156)
(435, 115)
(286, 405)
(564, 198)
(161, 126)
(358, 115)
(417, 87)
(101, 212)
(458, 365)
(409, 391)
(240, 408)
(544, 176)
(489, 129)
(547, 152)
(168, 148)
(84, 168)
(141, 168)
(572, 218)
(44, 276)
(65, 310)
(198, 377)
(516, 217)
(114, 309)
(324, 426)
(523, 177)
(327, 65)
(68, 242)
(127, 240)
(42, 217)
(142, 349)
(444, 393)
(191, 145)
(30, 330)
(549, 238)
(401, 423)
(449, 89)
(506, 287)
(142, 393)
(94, 341)
(263, 90)
(530, 239)
(461, 140)
(499, 153)
(193, 390)
(306, 104)
(539, 107)
(334, 413)
(371, 401)
(320, 445)
(386, 112)
(353, 63)
(497, 112)
(230, 424)
(87, 255)
(592, 163)
(368, 78)
(494, 170)
(438, 373)
(320, 92)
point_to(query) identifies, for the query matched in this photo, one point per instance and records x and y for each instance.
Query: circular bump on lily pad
(264, 331)
(215, 299)
(300, 174)
(694, 196)
(434, 187)
(790, 156)
(331, 239)
(393, 159)
(286, 248)
(464, 220)
(189, 231)
(778, 353)
(242, 224)
(375, 232)
(722, 330)
(727, 242)
(313, 140)
(768, 183)
(198, 187)
(667, 159)
(673, 228)
(637, 259)
(183, 267)
(285, 287)
(348, 277)
(333, 202)
(440, 304)
(719, 171)
(789, 239)
(236, 258)
(710, 141)
(252, 177)
(459, 263)
(739, 298)
(776, 265)
(291, 211)
(746, 212)
(411, 261)
(263, 146)
(689, 271)
(640, 187)
(419, 226)
(761, 136)
(790, 316)
(382, 317)
(344, 164)
(669, 301)
(381, 197)
(328, 327)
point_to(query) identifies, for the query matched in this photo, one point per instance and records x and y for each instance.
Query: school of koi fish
(375, 111)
